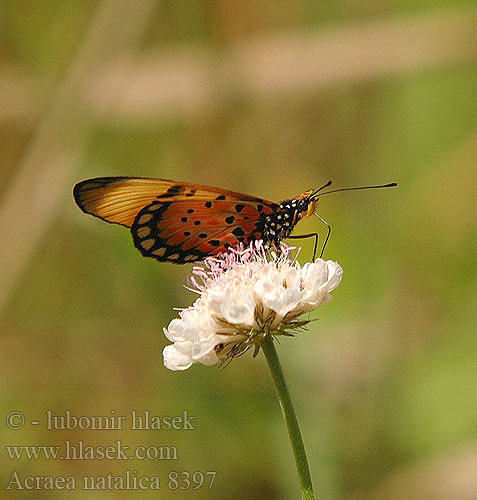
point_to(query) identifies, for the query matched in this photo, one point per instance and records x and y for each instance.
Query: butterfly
(182, 222)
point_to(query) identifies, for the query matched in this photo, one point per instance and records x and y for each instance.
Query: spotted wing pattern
(173, 221)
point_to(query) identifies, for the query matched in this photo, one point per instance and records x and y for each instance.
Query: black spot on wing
(172, 191)
(238, 231)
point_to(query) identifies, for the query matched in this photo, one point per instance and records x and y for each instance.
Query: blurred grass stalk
(105, 83)
(44, 178)
(184, 82)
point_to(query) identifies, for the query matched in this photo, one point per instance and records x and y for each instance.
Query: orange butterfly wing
(175, 221)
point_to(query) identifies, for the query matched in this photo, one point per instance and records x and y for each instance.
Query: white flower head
(245, 295)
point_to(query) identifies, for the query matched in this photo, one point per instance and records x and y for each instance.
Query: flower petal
(178, 356)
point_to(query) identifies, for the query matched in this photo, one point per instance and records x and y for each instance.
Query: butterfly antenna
(391, 184)
(319, 189)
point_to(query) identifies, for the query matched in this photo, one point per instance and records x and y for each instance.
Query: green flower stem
(290, 417)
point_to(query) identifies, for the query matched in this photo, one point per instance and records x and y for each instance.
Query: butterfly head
(306, 203)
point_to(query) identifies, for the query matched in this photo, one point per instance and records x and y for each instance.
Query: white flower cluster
(245, 295)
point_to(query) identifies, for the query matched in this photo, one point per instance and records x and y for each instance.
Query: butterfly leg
(309, 235)
(327, 236)
(315, 235)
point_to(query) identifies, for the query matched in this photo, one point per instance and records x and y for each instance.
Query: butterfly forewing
(174, 221)
(120, 199)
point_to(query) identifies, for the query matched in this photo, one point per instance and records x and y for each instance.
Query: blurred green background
(271, 99)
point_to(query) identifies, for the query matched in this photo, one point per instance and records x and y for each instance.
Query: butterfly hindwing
(189, 231)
